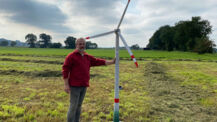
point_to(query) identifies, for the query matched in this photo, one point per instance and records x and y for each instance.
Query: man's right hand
(66, 84)
(67, 88)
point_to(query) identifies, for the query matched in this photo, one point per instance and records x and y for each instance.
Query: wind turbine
(118, 34)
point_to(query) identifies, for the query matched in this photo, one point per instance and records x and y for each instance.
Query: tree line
(190, 35)
(45, 42)
(6, 43)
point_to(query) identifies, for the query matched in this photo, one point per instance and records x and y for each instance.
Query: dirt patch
(173, 102)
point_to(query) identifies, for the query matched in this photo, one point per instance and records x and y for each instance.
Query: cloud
(38, 14)
(142, 19)
(80, 18)
(157, 13)
(103, 11)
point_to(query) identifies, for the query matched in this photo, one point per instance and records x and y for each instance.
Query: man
(76, 75)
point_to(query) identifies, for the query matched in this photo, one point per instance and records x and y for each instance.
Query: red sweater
(77, 68)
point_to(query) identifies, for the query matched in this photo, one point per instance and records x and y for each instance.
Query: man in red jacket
(76, 75)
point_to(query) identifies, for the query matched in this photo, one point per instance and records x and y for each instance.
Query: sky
(82, 18)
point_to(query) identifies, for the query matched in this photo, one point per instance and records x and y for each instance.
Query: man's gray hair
(80, 39)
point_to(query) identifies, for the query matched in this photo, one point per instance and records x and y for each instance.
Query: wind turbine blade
(128, 49)
(123, 15)
(102, 34)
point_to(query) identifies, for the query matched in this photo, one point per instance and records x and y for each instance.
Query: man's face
(80, 45)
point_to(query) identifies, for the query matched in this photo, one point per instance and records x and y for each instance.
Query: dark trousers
(76, 98)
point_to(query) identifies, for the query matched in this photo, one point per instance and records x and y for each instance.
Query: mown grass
(23, 66)
(203, 75)
(31, 58)
(43, 99)
(182, 91)
(33, 91)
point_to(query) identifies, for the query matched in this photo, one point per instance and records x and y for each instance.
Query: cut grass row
(179, 94)
(60, 59)
(23, 66)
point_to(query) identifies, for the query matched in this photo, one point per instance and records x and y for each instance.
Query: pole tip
(136, 64)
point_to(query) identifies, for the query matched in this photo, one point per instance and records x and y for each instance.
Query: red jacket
(77, 68)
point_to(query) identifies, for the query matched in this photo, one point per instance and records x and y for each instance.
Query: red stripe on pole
(136, 64)
(87, 38)
(132, 56)
(116, 100)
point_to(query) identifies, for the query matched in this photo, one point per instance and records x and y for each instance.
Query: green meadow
(167, 87)
(107, 53)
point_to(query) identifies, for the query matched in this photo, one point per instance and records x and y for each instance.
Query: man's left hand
(110, 62)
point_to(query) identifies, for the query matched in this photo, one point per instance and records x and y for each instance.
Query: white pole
(116, 100)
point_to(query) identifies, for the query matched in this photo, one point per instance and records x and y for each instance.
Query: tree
(204, 45)
(94, 46)
(4, 43)
(135, 47)
(162, 39)
(187, 35)
(70, 42)
(154, 41)
(188, 31)
(55, 45)
(13, 43)
(45, 40)
(31, 40)
(90, 45)
(181, 36)
(167, 34)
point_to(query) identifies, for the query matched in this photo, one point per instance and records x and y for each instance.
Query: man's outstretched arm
(110, 62)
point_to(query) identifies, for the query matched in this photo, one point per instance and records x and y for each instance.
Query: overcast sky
(81, 18)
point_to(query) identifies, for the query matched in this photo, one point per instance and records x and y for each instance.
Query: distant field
(109, 53)
(167, 87)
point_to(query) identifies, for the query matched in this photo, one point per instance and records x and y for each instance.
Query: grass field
(108, 54)
(167, 87)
